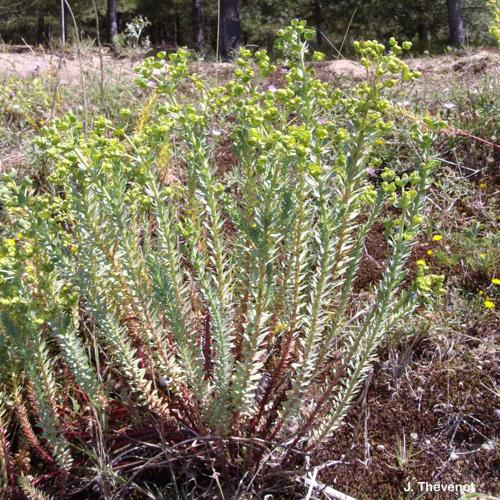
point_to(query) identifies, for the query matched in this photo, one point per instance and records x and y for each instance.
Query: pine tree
(111, 23)
(456, 23)
(198, 37)
(230, 27)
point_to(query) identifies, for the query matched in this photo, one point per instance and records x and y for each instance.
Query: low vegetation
(188, 301)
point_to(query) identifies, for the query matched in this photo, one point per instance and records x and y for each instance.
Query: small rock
(380, 447)
(414, 436)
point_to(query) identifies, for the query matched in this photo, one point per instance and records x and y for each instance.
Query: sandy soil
(32, 64)
(473, 65)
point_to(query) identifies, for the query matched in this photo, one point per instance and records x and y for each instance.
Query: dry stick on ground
(451, 131)
(28, 46)
(200, 439)
(454, 132)
(319, 487)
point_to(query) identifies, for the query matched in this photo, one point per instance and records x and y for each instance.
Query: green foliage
(220, 302)
(336, 23)
(28, 103)
(494, 7)
(22, 107)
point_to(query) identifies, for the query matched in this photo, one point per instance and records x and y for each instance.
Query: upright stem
(63, 24)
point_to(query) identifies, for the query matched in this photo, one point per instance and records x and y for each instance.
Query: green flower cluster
(427, 284)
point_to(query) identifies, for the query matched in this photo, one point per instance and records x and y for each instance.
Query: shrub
(156, 304)
(132, 37)
(494, 7)
(23, 106)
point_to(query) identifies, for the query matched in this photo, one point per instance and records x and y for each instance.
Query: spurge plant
(182, 289)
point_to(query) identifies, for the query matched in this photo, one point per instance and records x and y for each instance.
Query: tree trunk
(318, 18)
(424, 35)
(111, 22)
(49, 34)
(230, 27)
(423, 32)
(179, 40)
(270, 42)
(455, 23)
(40, 31)
(197, 26)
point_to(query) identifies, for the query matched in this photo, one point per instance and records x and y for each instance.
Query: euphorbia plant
(215, 307)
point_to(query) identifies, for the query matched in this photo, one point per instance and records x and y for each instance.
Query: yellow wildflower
(495, 281)
(429, 252)
(482, 185)
(421, 262)
(437, 237)
(489, 304)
